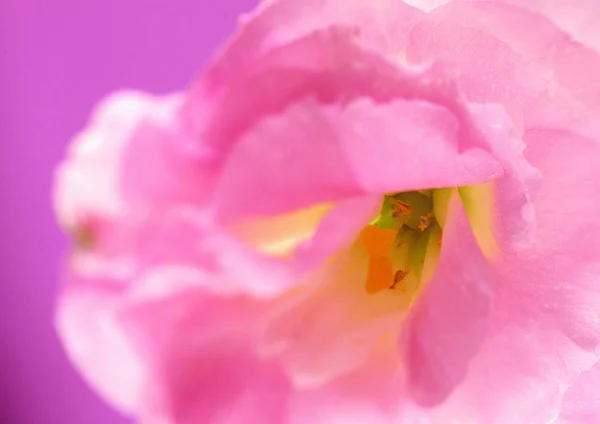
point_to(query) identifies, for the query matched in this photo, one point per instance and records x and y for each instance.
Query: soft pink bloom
(232, 262)
(581, 403)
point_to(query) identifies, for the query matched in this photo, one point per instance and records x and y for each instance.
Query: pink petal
(578, 18)
(162, 164)
(371, 394)
(581, 404)
(204, 368)
(330, 326)
(129, 244)
(427, 5)
(513, 217)
(97, 345)
(94, 160)
(545, 321)
(412, 138)
(167, 349)
(265, 276)
(135, 158)
(517, 377)
(506, 55)
(337, 231)
(299, 147)
(449, 321)
(382, 27)
(159, 259)
(566, 250)
(305, 68)
(185, 236)
(325, 153)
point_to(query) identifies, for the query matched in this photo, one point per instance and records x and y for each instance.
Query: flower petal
(502, 213)
(135, 158)
(204, 368)
(96, 343)
(330, 325)
(325, 153)
(545, 312)
(369, 394)
(162, 164)
(94, 160)
(330, 66)
(382, 27)
(516, 377)
(507, 55)
(577, 17)
(581, 404)
(427, 5)
(413, 138)
(566, 251)
(448, 323)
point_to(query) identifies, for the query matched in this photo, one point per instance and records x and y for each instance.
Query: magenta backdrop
(57, 58)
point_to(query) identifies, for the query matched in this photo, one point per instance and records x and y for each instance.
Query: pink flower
(361, 212)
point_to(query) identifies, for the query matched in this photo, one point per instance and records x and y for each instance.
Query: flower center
(403, 241)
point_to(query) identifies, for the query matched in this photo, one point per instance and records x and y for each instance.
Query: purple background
(57, 58)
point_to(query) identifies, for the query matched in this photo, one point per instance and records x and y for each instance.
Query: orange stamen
(398, 277)
(377, 241)
(401, 208)
(380, 275)
(425, 221)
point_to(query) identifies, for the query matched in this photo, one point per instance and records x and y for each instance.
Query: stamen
(398, 278)
(380, 275)
(378, 242)
(398, 241)
(425, 221)
(400, 208)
